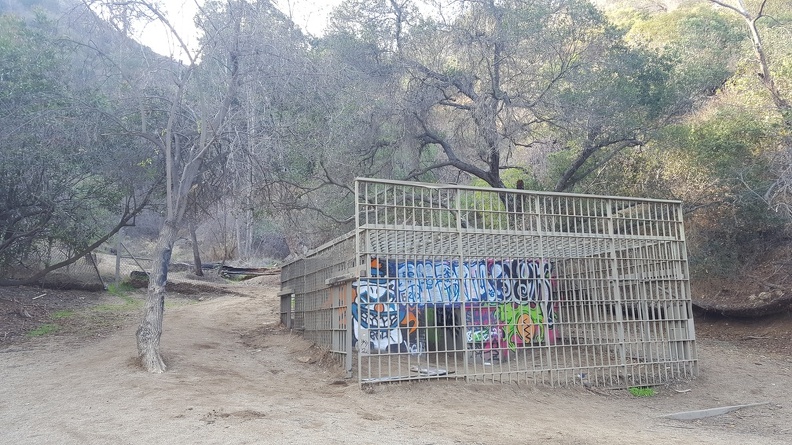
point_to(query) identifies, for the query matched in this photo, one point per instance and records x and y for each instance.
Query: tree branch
(125, 218)
(568, 179)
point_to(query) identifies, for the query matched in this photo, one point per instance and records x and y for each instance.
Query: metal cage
(450, 282)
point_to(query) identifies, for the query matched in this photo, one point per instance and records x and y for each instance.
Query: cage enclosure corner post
(286, 308)
(348, 337)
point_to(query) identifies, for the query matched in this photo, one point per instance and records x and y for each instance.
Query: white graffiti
(445, 282)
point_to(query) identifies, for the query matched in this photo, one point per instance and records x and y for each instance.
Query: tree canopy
(65, 179)
(264, 127)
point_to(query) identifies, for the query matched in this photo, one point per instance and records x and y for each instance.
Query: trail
(235, 377)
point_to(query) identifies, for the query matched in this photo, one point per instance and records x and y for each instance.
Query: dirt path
(236, 378)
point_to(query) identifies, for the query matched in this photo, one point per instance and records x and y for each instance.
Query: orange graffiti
(526, 328)
(410, 321)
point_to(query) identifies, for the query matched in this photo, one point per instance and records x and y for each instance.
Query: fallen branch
(244, 273)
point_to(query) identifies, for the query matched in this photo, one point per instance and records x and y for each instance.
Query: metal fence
(446, 282)
(93, 271)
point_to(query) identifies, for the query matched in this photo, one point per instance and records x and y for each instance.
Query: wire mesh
(454, 282)
(91, 271)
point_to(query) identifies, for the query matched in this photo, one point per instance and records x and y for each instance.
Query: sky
(309, 15)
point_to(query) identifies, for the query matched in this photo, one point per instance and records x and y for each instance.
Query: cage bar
(500, 285)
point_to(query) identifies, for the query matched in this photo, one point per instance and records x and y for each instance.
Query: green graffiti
(479, 335)
(521, 321)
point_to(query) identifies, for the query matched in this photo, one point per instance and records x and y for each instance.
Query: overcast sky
(309, 15)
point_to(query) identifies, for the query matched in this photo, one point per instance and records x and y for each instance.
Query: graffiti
(376, 316)
(507, 303)
(522, 323)
(495, 329)
(423, 282)
(485, 332)
(447, 282)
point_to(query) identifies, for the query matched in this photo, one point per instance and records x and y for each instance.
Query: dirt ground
(236, 377)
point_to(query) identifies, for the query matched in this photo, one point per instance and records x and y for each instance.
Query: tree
(182, 126)
(186, 153)
(719, 157)
(682, 58)
(494, 86)
(211, 129)
(766, 75)
(64, 181)
(779, 194)
(332, 118)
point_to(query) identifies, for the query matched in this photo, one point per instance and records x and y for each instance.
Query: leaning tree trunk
(196, 251)
(150, 330)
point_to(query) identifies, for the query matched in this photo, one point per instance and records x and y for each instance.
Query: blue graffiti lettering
(386, 307)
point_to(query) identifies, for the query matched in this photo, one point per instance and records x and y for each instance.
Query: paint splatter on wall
(507, 304)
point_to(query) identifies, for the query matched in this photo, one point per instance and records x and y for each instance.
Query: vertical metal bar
(348, 330)
(616, 289)
(545, 326)
(681, 272)
(460, 279)
(359, 207)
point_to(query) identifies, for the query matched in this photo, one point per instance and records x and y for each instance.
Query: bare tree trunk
(150, 330)
(196, 251)
(766, 75)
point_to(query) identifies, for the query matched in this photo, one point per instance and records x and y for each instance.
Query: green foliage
(636, 172)
(64, 173)
(120, 290)
(721, 144)
(720, 152)
(642, 391)
(703, 44)
(489, 209)
(45, 329)
(718, 165)
(66, 313)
